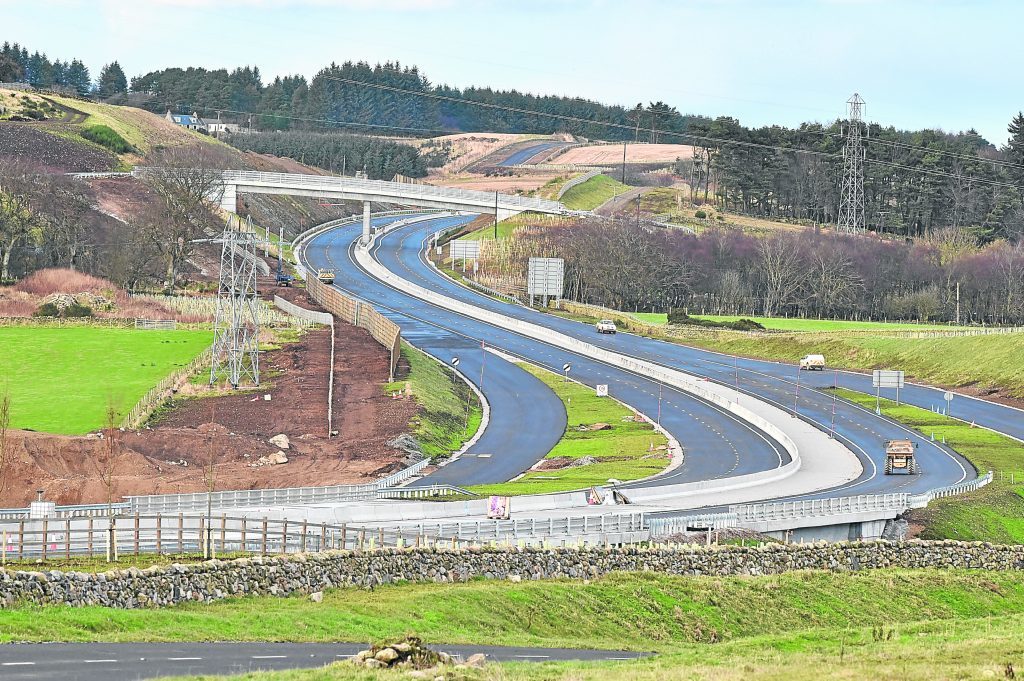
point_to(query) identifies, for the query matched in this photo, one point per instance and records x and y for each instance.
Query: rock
(476, 660)
(278, 458)
(600, 426)
(386, 655)
(317, 596)
(280, 441)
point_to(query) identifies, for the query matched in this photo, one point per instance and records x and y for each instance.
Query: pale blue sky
(950, 64)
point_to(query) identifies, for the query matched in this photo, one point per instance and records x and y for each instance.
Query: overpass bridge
(237, 182)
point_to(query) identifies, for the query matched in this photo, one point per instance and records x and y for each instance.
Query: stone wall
(281, 576)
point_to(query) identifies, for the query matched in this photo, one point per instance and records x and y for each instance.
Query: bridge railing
(330, 182)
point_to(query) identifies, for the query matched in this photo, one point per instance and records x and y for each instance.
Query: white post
(366, 223)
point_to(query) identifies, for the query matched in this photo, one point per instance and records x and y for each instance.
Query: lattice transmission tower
(851, 206)
(236, 326)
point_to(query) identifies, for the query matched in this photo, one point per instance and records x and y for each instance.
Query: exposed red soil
(149, 462)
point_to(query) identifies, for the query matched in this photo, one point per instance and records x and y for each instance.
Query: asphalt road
(526, 417)
(525, 154)
(129, 661)
(861, 430)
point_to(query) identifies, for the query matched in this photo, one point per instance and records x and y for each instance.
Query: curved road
(864, 432)
(523, 425)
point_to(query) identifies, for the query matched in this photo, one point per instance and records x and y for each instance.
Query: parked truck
(812, 363)
(325, 275)
(899, 457)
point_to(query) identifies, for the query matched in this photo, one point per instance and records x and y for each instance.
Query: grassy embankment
(802, 625)
(994, 513)
(675, 204)
(984, 362)
(441, 426)
(592, 193)
(61, 379)
(803, 325)
(626, 451)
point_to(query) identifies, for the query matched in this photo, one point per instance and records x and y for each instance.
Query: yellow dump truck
(899, 456)
(325, 275)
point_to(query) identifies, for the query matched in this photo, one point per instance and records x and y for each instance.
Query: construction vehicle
(326, 276)
(812, 363)
(899, 456)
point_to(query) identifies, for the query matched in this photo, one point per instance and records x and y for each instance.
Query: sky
(946, 64)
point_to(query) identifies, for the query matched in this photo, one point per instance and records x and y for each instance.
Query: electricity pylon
(851, 206)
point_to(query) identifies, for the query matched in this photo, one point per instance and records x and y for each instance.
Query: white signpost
(885, 378)
(602, 390)
(949, 401)
(565, 368)
(546, 277)
(463, 250)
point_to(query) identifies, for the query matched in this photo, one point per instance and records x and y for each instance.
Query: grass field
(799, 625)
(61, 379)
(441, 427)
(994, 513)
(592, 193)
(808, 325)
(622, 452)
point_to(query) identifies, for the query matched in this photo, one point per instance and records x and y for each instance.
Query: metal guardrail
(428, 492)
(576, 181)
(198, 501)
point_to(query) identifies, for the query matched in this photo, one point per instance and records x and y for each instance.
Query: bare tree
(6, 456)
(782, 272)
(186, 179)
(18, 223)
(106, 462)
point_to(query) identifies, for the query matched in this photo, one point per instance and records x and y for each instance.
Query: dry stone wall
(282, 576)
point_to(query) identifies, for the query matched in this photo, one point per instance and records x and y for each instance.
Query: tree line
(947, 276)
(36, 69)
(379, 158)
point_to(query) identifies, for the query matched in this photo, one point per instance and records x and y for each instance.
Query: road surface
(129, 661)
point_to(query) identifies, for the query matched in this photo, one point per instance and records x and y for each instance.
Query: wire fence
(163, 391)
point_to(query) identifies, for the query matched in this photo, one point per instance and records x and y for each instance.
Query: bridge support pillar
(365, 240)
(229, 198)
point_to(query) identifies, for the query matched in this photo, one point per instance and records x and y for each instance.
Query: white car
(606, 326)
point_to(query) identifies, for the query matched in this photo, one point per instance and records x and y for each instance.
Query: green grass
(505, 229)
(994, 513)
(592, 193)
(632, 611)
(61, 379)
(441, 426)
(977, 648)
(106, 137)
(809, 325)
(621, 451)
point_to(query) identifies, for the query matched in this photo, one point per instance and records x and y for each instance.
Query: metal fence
(156, 324)
(162, 392)
(576, 181)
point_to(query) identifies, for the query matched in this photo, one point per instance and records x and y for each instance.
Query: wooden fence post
(89, 530)
(181, 533)
(45, 525)
(263, 540)
(67, 538)
(284, 536)
(136, 534)
(302, 544)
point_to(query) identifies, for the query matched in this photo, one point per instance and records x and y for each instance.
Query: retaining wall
(168, 585)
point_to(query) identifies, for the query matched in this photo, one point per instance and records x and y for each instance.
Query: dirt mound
(169, 458)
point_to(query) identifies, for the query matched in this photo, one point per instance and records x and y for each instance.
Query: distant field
(796, 324)
(592, 193)
(621, 452)
(61, 379)
(611, 154)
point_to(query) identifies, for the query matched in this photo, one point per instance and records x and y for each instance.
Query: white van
(812, 363)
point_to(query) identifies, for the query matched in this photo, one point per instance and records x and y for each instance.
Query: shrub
(107, 137)
(700, 215)
(47, 310)
(76, 310)
(679, 316)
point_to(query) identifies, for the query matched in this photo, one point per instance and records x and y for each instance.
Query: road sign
(566, 367)
(602, 390)
(463, 250)
(455, 361)
(545, 277)
(948, 396)
(884, 378)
